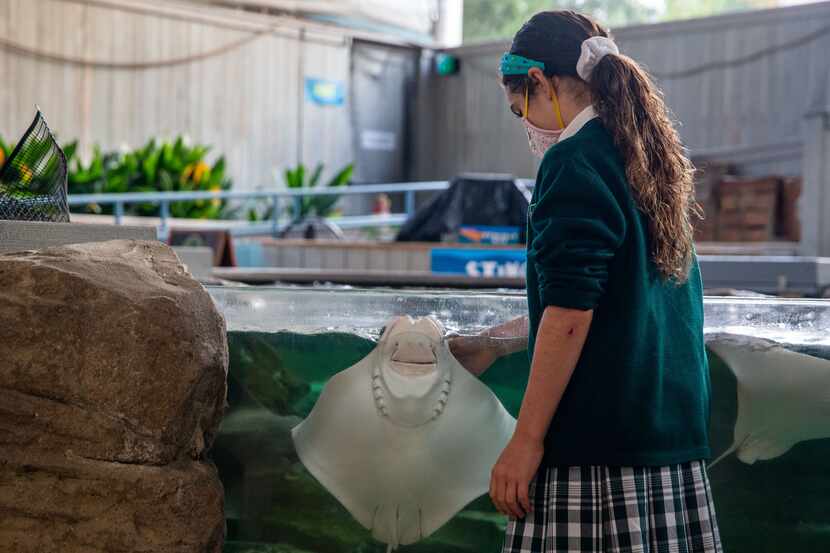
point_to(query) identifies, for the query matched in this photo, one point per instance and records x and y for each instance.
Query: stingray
(405, 438)
(783, 396)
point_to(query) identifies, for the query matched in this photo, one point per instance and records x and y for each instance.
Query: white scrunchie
(593, 50)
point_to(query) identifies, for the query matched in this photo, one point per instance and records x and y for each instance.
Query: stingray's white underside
(403, 482)
(783, 397)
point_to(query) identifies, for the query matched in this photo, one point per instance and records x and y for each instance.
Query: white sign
(383, 141)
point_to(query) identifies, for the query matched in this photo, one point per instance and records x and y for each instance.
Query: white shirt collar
(578, 122)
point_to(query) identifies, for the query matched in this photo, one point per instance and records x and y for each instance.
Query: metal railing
(276, 221)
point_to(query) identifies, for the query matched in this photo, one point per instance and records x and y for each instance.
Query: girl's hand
(475, 353)
(512, 474)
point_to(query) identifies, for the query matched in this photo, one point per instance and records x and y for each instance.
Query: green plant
(158, 166)
(155, 167)
(297, 179)
(91, 178)
(5, 151)
(316, 205)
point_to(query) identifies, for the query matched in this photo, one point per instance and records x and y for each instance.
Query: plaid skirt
(599, 509)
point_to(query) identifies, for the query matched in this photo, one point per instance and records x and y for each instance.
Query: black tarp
(471, 200)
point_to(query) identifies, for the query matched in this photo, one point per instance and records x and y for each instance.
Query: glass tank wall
(770, 369)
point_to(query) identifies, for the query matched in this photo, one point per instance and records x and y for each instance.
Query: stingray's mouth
(408, 361)
(414, 361)
(408, 368)
(417, 354)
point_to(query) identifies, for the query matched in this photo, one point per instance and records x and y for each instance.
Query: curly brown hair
(632, 109)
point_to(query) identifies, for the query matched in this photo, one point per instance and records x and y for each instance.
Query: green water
(275, 506)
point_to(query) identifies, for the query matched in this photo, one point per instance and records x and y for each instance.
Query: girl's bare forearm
(559, 343)
(511, 336)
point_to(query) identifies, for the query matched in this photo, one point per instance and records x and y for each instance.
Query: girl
(608, 451)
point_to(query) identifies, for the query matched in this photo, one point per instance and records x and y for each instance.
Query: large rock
(113, 366)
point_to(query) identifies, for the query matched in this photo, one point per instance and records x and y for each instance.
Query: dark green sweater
(640, 392)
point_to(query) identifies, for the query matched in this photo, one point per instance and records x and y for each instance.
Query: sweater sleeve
(578, 226)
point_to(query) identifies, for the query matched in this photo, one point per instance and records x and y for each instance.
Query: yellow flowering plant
(158, 166)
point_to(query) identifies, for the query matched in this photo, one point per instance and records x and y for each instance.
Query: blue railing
(276, 197)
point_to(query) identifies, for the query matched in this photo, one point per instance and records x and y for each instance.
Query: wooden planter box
(361, 256)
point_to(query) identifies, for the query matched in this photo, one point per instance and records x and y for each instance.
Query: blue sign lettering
(479, 263)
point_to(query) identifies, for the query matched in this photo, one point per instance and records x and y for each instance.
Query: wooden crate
(747, 209)
(708, 175)
(706, 226)
(788, 226)
(739, 234)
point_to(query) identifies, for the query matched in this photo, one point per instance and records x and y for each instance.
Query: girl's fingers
(510, 498)
(494, 493)
(502, 492)
(524, 500)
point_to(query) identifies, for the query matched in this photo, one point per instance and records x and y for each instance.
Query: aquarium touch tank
(770, 427)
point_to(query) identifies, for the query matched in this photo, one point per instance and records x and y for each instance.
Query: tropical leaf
(69, 150)
(315, 177)
(292, 178)
(343, 177)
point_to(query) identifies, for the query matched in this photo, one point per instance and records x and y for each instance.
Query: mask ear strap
(527, 86)
(556, 108)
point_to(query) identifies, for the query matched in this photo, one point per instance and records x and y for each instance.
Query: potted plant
(309, 213)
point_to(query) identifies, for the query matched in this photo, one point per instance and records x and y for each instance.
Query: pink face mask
(542, 139)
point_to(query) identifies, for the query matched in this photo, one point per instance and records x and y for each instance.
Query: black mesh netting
(33, 178)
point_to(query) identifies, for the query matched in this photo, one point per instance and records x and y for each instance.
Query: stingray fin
(732, 449)
(754, 449)
(723, 456)
(763, 449)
